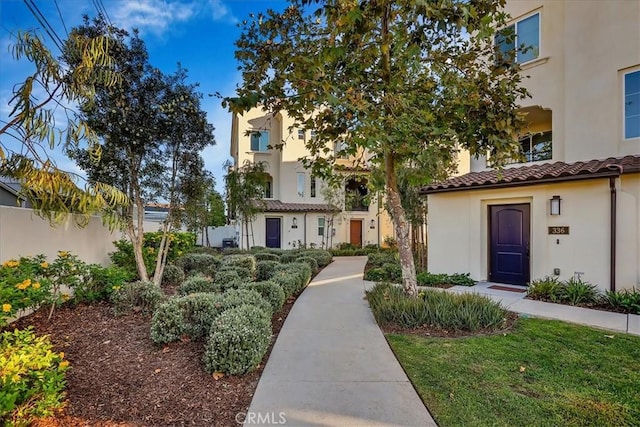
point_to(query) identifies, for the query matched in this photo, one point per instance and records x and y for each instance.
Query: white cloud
(158, 16)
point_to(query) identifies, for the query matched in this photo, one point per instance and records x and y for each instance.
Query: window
(356, 195)
(300, 184)
(519, 41)
(313, 134)
(321, 226)
(339, 150)
(268, 187)
(300, 133)
(632, 105)
(537, 146)
(260, 140)
(313, 186)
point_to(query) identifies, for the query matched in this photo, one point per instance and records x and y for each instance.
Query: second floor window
(536, 147)
(300, 178)
(356, 195)
(301, 134)
(313, 186)
(260, 140)
(520, 42)
(632, 105)
(268, 187)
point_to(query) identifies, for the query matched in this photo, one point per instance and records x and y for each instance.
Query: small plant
(313, 264)
(577, 292)
(199, 264)
(198, 284)
(266, 256)
(100, 285)
(67, 270)
(244, 261)
(546, 289)
(627, 301)
(167, 323)
(236, 297)
(243, 272)
(23, 284)
(32, 377)
(137, 296)
(224, 277)
(378, 259)
(172, 275)
(238, 340)
(323, 258)
(432, 279)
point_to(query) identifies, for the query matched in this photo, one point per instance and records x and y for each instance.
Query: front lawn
(542, 373)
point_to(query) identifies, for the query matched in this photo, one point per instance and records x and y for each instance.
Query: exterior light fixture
(294, 223)
(372, 224)
(554, 205)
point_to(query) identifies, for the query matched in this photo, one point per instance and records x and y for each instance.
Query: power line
(61, 20)
(45, 23)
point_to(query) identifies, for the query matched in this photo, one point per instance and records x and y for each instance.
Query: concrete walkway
(516, 302)
(331, 365)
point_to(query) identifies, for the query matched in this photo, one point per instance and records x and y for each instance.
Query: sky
(199, 34)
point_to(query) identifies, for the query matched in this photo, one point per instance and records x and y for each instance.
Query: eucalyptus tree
(404, 81)
(31, 130)
(152, 129)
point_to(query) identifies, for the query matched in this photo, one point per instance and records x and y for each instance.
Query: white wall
(22, 233)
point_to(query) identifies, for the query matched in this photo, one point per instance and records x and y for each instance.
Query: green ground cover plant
(542, 373)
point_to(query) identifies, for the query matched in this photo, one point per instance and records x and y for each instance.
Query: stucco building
(295, 210)
(573, 208)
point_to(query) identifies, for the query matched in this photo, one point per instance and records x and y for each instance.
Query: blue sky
(199, 34)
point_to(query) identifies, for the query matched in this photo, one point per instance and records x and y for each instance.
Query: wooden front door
(509, 244)
(355, 232)
(273, 227)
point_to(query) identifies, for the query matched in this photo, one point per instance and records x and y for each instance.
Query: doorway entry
(355, 232)
(509, 235)
(273, 233)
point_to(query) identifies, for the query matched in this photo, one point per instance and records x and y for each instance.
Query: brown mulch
(119, 377)
(429, 331)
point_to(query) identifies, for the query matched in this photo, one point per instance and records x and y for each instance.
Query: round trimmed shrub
(237, 297)
(241, 260)
(199, 263)
(224, 277)
(323, 258)
(238, 340)
(266, 256)
(172, 275)
(167, 323)
(289, 256)
(198, 284)
(302, 270)
(289, 282)
(243, 272)
(139, 296)
(266, 269)
(199, 312)
(311, 261)
(270, 291)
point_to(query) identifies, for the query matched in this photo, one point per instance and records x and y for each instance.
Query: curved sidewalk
(331, 365)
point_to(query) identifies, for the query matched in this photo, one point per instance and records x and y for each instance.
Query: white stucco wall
(459, 226)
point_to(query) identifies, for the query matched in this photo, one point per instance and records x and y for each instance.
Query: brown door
(355, 232)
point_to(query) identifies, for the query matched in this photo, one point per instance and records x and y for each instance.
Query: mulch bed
(119, 377)
(429, 331)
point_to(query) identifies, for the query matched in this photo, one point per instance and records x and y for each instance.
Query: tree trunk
(136, 234)
(161, 258)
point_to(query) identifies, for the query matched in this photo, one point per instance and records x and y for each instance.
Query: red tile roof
(271, 205)
(538, 174)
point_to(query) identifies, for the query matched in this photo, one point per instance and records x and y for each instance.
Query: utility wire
(61, 20)
(45, 23)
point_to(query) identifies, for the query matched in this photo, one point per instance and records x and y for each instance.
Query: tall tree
(31, 128)
(153, 130)
(404, 81)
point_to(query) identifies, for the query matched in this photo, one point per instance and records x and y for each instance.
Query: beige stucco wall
(24, 234)
(459, 240)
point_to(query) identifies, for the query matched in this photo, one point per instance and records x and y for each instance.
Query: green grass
(573, 376)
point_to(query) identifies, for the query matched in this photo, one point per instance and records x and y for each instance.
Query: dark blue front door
(273, 232)
(509, 257)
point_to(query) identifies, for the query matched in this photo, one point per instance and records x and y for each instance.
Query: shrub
(237, 297)
(172, 275)
(438, 309)
(378, 259)
(233, 251)
(626, 300)
(205, 250)
(101, 284)
(389, 272)
(224, 277)
(289, 282)
(266, 256)
(243, 261)
(190, 315)
(313, 264)
(577, 292)
(323, 258)
(197, 284)
(546, 289)
(238, 340)
(199, 263)
(23, 284)
(289, 256)
(376, 274)
(266, 269)
(124, 257)
(270, 291)
(302, 271)
(431, 279)
(243, 272)
(66, 270)
(137, 296)
(181, 242)
(32, 377)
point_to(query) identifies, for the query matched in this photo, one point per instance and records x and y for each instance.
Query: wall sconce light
(554, 205)
(294, 223)
(372, 224)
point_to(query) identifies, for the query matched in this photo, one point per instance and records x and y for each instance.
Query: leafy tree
(153, 130)
(245, 187)
(410, 83)
(217, 218)
(53, 84)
